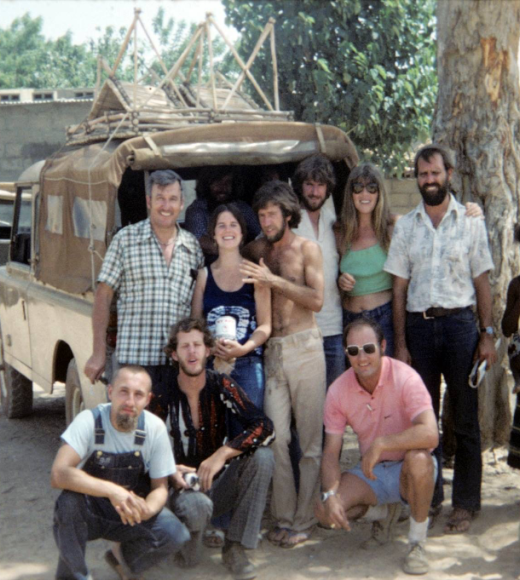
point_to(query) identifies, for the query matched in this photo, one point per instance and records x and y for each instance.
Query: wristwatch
(326, 494)
(488, 330)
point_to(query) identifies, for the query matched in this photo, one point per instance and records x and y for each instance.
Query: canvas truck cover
(79, 184)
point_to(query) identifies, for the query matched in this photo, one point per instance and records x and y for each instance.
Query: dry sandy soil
(27, 551)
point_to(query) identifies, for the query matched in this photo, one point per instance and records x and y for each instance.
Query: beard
(126, 422)
(434, 198)
(195, 372)
(278, 235)
(313, 205)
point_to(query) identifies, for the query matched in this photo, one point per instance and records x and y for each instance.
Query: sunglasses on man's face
(358, 187)
(353, 349)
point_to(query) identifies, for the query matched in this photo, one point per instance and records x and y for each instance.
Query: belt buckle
(427, 317)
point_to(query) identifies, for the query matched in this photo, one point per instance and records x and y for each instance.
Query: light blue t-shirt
(156, 452)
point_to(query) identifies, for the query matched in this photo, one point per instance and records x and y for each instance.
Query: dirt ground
(27, 550)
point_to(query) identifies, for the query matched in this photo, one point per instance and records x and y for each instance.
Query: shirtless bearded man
(294, 360)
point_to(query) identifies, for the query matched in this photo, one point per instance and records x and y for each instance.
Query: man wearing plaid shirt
(152, 265)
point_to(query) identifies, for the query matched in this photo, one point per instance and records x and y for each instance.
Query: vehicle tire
(16, 393)
(73, 398)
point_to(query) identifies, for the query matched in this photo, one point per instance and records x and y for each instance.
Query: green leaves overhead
(367, 66)
(28, 59)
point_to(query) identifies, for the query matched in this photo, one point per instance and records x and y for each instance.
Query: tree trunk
(477, 116)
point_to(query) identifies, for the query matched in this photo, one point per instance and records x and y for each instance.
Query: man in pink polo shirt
(390, 410)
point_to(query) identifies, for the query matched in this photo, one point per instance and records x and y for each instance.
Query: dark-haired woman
(220, 292)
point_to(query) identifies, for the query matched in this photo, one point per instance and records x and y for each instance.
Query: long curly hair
(381, 216)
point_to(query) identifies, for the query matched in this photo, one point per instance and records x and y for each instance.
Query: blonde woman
(363, 236)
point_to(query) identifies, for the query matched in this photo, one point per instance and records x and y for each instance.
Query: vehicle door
(14, 282)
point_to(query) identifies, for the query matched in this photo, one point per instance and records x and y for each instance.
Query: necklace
(169, 243)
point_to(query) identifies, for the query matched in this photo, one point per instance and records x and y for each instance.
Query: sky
(82, 17)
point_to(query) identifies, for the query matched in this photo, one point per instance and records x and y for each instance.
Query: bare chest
(287, 263)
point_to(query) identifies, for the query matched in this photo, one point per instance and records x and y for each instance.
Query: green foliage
(367, 66)
(28, 59)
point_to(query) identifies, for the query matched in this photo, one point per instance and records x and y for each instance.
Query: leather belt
(435, 312)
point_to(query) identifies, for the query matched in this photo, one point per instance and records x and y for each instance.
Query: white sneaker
(416, 561)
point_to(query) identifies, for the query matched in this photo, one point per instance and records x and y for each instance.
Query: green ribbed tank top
(367, 268)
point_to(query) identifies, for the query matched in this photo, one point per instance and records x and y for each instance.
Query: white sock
(418, 531)
(376, 513)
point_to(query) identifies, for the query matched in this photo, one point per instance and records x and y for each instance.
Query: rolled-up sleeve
(398, 261)
(480, 259)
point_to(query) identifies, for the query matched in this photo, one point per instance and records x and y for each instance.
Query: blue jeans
(80, 518)
(334, 357)
(446, 345)
(249, 374)
(383, 316)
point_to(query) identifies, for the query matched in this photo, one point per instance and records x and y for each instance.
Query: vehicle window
(54, 214)
(24, 221)
(21, 236)
(83, 211)
(6, 213)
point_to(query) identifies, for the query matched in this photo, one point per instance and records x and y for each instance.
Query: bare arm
(263, 316)
(486, 346)
(310, 295)
(330, 469)
(198, 293)
(512, 311)
(100, 315)
(156, 499)
(332, 511)
(422, 435)
(400, 288)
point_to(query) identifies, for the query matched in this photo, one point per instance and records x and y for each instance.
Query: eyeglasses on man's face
(368, 348)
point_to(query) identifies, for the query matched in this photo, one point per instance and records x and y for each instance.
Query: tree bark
(477, 116)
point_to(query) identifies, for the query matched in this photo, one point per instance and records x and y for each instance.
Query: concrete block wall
(30, 132)
(404, 195)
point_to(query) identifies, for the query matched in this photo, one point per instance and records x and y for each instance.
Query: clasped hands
(132, 509)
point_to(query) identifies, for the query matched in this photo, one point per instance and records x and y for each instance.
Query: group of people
(241, 349)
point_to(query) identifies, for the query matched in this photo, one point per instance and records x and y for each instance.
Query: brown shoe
(235, 560)
(459, 521)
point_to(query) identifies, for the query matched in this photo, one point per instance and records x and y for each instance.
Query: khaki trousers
(295, 383)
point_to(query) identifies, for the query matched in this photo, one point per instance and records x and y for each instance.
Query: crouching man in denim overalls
(113, 468)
